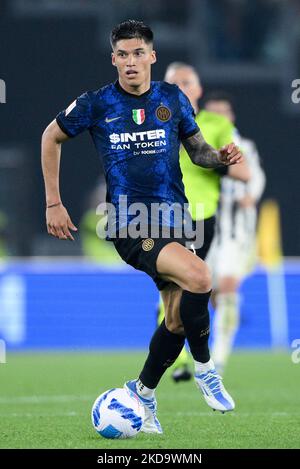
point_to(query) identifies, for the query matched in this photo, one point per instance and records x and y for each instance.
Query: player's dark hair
(130, 29)
(219, 95)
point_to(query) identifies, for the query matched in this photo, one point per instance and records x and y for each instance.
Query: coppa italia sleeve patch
(69, 108)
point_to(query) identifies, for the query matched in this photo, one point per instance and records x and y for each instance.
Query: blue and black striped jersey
(138, 139)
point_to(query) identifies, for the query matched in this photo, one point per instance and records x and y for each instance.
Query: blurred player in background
(232, 255)
(202, 185)
(137, 125)
(92, 225)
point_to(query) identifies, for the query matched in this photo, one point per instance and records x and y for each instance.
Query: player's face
(133, 59)
(187, 80)
(221, 107)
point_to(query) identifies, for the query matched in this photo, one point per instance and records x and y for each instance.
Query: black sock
(165, 346)
(195, 318)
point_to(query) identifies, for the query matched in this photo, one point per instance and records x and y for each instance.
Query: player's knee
(198, 280)
(174, 326)
(176, 329)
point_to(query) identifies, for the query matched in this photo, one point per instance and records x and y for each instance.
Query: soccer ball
(115, 414)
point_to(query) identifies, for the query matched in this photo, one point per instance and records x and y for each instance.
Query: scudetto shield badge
(138, 116)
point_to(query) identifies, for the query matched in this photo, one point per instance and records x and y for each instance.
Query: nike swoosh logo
(112, 119)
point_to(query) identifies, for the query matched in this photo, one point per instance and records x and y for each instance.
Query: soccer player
(137, 125)
(202, 185)
(232, 255)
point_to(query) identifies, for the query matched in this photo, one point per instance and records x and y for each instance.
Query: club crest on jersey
(147, 244)
(163, 113)
(138, 115)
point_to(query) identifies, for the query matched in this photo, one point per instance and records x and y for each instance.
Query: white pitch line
(235, 414)
(177, 414)
(42, 399)
(38, 414)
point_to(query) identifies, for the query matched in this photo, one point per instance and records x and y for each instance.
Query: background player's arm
(257, 182)
(240, 172)
(57, 218)
(202, 154)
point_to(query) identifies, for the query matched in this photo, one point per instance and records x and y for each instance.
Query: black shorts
(142, 253)
(209, 231)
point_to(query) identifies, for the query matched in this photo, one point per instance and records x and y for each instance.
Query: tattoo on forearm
(201, 153)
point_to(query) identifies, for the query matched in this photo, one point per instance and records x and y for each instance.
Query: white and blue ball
(115, 414)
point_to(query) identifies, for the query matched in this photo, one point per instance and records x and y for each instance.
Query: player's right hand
(231, 154)
(59, 222)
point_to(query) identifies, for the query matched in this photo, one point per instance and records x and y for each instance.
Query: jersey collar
(121, 90)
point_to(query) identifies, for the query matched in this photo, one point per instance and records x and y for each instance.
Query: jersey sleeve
(187, 124)
(77, 117)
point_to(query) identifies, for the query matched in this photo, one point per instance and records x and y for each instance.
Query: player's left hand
(230, 154)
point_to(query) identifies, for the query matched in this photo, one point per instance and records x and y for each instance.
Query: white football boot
(212, 388)
(151, 423)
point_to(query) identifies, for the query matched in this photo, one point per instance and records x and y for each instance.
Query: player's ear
(113, 59)
(153, 57)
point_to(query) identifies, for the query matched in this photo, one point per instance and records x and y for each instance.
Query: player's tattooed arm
(202, 154)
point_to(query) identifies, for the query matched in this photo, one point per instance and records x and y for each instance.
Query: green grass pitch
(46, 399)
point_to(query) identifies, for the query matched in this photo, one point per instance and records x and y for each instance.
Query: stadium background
(53, 298)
